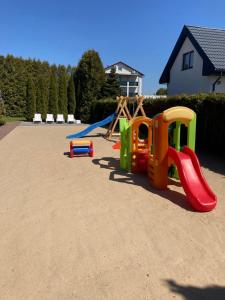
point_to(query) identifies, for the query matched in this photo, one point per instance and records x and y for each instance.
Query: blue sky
(140, 33)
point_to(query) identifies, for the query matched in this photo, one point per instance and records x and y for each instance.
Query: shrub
(100, 109)
(210, 110)
(2, 120)
(2, 105)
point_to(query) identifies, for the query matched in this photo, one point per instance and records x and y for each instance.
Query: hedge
(210, 110)
(2, 121)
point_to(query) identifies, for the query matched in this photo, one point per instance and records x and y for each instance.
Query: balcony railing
(131, 83)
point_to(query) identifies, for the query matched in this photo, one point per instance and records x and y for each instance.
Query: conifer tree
(89, 78)
(70, 71)
(62, 95)
(111, 86)
(53, 93)
(30, 100)
(71, 96)
(13, 85)
(42, 97)
(161, 91)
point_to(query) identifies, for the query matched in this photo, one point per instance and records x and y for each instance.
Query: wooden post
(139, 107)
(123, 111)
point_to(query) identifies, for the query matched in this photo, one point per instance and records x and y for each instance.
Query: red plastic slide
(195, 186)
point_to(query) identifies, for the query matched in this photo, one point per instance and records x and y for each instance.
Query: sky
(140, 33)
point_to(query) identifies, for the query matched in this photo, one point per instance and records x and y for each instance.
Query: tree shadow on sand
(189, 292)
(118, 175)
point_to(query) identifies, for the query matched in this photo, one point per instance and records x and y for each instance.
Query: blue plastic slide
(84, 132)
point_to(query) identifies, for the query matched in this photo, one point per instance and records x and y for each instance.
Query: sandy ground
(82, 229)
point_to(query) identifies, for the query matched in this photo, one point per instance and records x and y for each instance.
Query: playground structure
(122, 110)
(134, 152)
(81, 147)
(84, 132)
(154, 154)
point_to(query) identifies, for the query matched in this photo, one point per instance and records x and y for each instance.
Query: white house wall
(188, 81)
(140, 86)
(127, 76)
(122, 69)
(220, 86)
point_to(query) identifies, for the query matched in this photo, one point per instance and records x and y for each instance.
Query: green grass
(13, 119)
(2, 121)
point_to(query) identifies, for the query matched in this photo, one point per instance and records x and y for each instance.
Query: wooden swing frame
(122, 110)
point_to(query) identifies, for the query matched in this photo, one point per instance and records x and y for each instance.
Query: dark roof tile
(120, 62)
(210, 44)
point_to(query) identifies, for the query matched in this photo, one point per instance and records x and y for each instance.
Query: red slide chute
(198, 192)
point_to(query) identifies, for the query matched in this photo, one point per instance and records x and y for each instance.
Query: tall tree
(71, 96)
(70, 71)
(111, 87)
(30, 99)
(89, 78)
(53, 93)
(13, 85)
(42, 96)
(161, 92)
(14, 74)
(62, 95)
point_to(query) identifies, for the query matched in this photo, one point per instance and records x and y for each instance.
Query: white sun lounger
(70, 119)
(78, 121)
(60, 119)
(49, 118)
(37, 118)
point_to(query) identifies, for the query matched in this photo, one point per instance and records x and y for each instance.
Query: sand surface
(82, 229)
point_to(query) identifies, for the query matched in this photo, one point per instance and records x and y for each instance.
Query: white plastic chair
(70, 119)
(78, 121)
(60, 119)
(37, 118)
(49, 118)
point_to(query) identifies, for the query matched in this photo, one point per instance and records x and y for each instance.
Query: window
(188, 59)
(133, 83)
(119, 68)
(143, 132)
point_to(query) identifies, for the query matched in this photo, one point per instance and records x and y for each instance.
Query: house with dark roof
(197, 62)
(130, 79)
